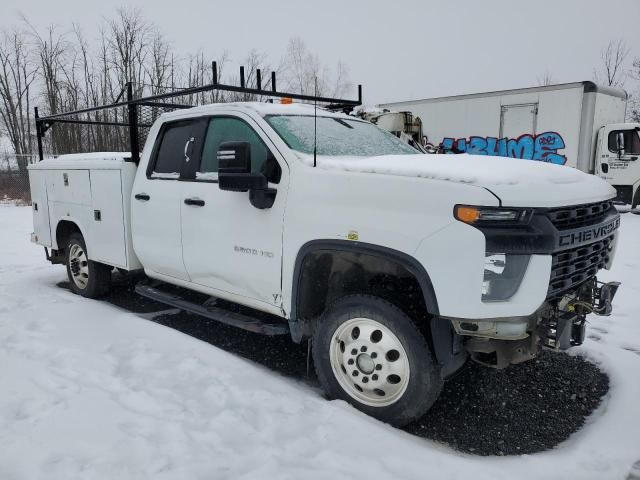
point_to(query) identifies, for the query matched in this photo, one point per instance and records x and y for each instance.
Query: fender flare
(407, 261)
(69, 220)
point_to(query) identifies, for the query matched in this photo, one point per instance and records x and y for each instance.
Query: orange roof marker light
(286, 100)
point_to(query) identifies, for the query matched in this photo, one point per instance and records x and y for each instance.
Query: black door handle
(142, 196)
(195, 202)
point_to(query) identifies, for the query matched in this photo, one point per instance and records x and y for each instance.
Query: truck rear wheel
(369, 353)
(86, 277)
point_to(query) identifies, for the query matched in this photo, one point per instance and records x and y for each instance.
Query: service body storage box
(92, 191)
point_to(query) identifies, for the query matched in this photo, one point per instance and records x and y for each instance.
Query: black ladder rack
(133, 106)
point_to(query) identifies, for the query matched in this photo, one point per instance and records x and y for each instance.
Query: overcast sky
(397, 49)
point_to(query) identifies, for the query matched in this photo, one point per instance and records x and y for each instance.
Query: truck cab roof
(261, 108)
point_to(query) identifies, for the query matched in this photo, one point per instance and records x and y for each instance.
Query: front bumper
(556, 326)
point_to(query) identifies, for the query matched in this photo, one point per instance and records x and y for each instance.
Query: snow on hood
(515, 181)
(462, 168)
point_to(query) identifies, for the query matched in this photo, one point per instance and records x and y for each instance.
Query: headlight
(497, 216)
(503, 274)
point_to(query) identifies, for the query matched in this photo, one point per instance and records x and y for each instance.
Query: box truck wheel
(87, 278)
(369, 353)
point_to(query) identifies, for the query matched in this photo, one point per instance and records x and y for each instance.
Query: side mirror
(234, 174)
(234, 166)
(620, 143)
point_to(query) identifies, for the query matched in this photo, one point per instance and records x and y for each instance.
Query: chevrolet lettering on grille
(588, 234)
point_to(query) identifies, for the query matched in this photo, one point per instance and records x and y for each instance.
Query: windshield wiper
(342, 122)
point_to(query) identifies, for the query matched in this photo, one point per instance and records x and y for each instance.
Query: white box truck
(286, 219)
(576, 124)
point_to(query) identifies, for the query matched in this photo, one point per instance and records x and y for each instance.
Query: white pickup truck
(396, 265)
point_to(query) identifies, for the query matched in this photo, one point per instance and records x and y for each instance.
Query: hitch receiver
(603, 297)
(565, 326)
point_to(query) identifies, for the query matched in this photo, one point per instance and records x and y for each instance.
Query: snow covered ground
(89, 391)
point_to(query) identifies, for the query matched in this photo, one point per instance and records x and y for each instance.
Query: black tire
(424, 383)
(98, 276)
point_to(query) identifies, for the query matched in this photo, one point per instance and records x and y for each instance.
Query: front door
(228, 244)
(619, 162)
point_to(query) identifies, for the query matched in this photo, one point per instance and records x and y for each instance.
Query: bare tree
(611, 71)
(128, 36)
(545, 80)
(160, 67)
(66, 72)
(305, 73)
(633, 103)
(252, 62)
(17, 74)
(49, 54)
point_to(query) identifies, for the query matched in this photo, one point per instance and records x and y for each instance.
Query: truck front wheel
(369, 353)
(86, 277)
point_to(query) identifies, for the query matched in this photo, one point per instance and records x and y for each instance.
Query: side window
(229, 129)
(170, 155)
(631, 141)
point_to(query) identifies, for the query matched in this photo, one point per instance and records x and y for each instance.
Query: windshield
(337, 136)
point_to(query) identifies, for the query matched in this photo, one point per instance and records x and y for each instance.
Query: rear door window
(179, 142)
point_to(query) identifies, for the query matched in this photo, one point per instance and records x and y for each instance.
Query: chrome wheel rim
(369, 362)
(79, 266)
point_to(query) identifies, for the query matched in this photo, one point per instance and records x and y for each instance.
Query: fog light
(503, 274)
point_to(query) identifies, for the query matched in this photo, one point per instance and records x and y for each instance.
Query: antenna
(315, 119)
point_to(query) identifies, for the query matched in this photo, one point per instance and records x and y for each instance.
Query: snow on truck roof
(261, 108)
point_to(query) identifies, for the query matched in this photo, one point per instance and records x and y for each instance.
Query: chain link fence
(14, 177)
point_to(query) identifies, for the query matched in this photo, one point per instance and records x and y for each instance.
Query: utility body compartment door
(40, 207)
(107, 234)
(69, 187)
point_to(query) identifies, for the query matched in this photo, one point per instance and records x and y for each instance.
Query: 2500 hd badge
(588, 234)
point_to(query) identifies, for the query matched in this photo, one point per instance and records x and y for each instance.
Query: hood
(517, 182)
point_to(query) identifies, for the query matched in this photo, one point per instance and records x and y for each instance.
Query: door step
(212, 312)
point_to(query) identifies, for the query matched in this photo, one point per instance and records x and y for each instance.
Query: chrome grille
(579, 215)
(571, 268)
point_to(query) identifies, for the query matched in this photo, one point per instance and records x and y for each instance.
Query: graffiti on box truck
(542, 147)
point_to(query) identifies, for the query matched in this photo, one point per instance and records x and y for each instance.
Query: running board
(218, 314)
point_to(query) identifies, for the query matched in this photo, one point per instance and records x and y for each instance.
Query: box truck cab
(617, 152)
(576, 124)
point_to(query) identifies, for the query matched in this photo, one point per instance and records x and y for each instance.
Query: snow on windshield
(336, 136)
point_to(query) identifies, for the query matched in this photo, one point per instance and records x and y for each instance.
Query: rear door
(157, 200)
(228, 244)
(518, 120)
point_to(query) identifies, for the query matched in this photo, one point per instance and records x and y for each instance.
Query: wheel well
(328, 270)
(63, 231)
(325, 275)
